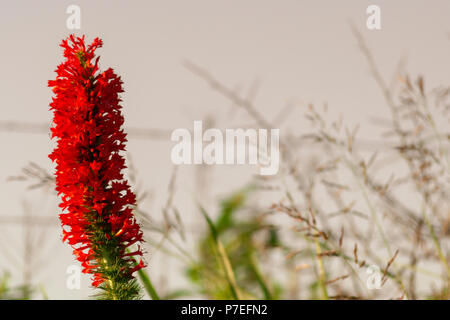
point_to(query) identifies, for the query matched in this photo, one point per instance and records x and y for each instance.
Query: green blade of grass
(260, 279)
(223, 257)
(148, 286)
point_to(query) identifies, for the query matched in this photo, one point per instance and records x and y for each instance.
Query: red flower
(97, 217)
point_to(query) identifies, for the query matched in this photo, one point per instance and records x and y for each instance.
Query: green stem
(145, 279)
(322, 275)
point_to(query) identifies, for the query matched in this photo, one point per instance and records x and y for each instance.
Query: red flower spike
(97, 219)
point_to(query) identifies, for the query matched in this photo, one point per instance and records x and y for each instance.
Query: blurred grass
(229, 266)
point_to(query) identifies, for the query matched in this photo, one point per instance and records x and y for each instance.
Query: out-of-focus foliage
(8, 292)
(243, 239)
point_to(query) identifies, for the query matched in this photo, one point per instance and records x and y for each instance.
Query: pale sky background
(296, 50)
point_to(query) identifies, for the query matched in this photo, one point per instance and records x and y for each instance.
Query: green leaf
(148, 286)
(211, 225)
